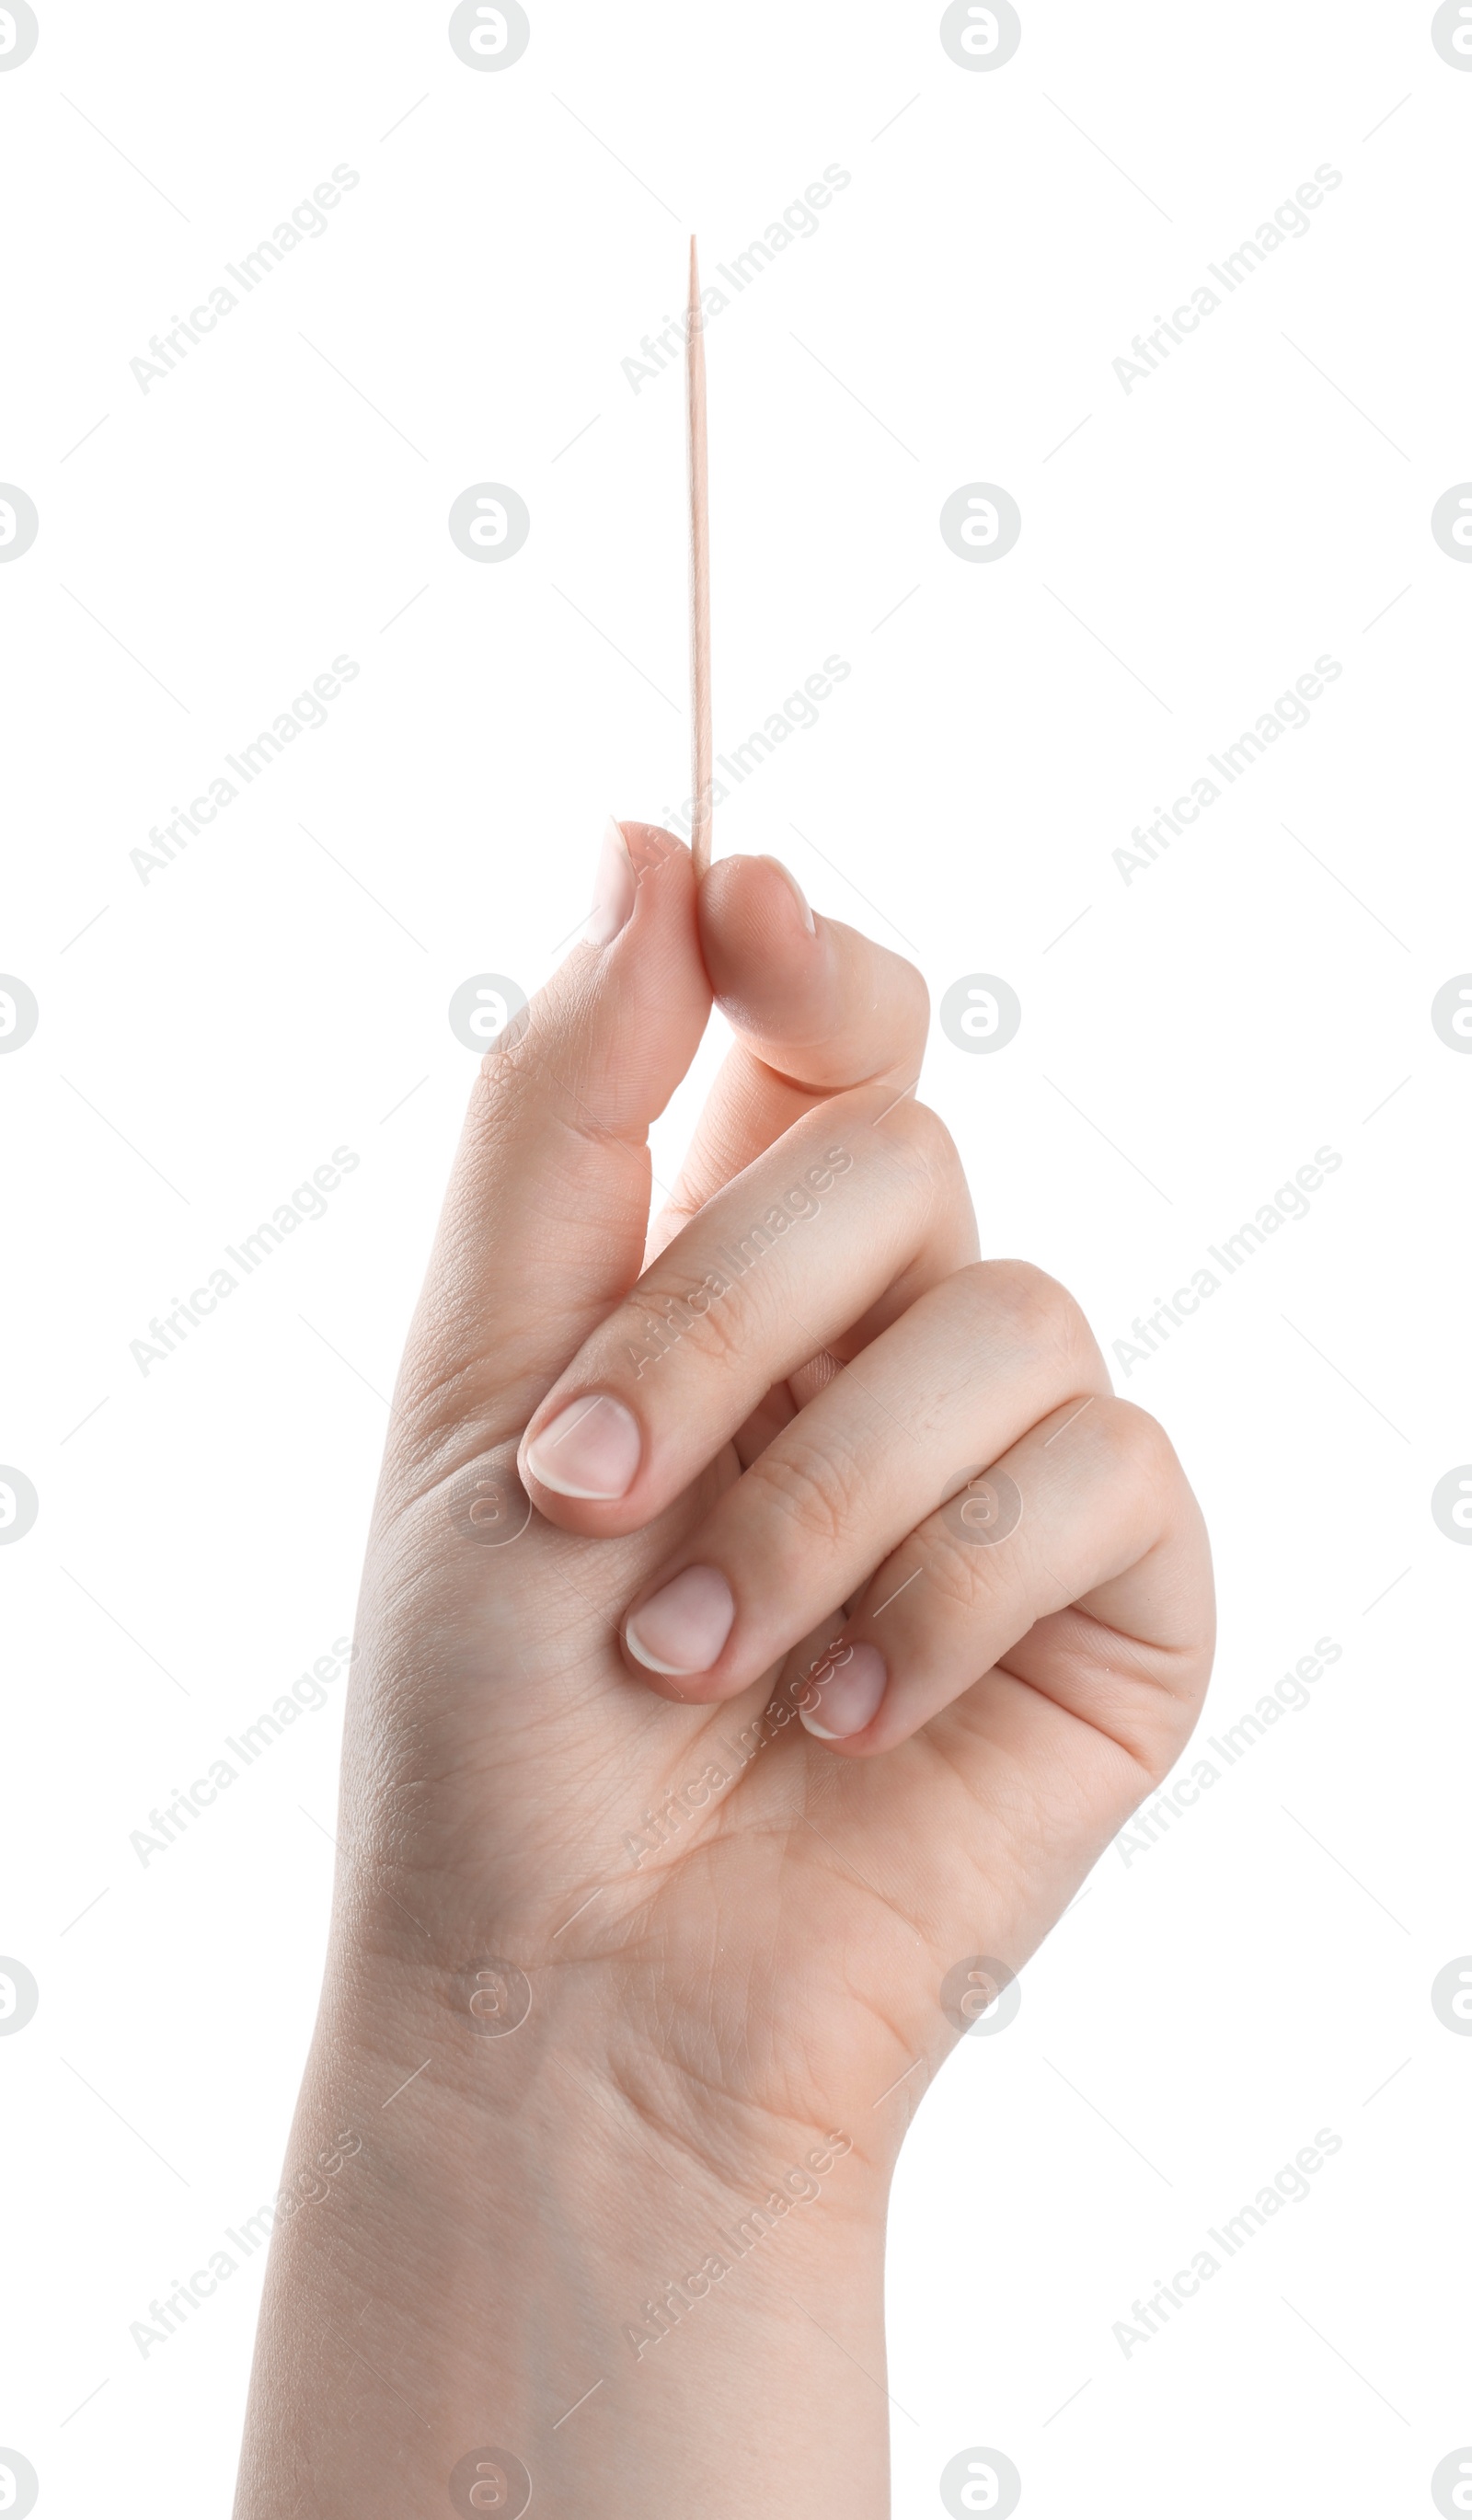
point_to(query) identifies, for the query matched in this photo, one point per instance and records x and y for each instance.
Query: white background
(207, 1037)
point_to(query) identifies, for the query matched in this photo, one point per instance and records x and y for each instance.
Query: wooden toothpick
(700, 743)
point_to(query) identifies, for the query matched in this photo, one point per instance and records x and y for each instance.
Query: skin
(735, 1997)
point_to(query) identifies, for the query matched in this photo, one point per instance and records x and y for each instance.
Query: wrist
(535, 2218)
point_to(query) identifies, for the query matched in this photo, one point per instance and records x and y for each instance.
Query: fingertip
(758, 936)
(805, 908)
(649, 844)
(636, 862)
(627, 1005)
(678, 1631)
(849, 1692)
(588, 1453)
(823, 1004)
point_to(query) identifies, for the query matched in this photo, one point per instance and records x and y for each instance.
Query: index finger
(815, 1007)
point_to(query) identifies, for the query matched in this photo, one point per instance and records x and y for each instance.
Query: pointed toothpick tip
(701, 737)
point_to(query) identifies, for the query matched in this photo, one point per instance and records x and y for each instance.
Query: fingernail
(798, 895)
(849, 1698)
(591, 1448)
(682, 1628)
(613, 889)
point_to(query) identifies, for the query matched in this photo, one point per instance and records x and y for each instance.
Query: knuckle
(914, 984)
(1030, 1307)
(511, 1073)
(928, 1144)
(814, 1491)
(966, 1579)
(904, 995)
(1139, 1447)
(705, 1319)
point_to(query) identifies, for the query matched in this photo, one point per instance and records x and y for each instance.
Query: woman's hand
(766, 1619)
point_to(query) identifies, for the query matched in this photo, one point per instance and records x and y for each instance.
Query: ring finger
(1077, 1564)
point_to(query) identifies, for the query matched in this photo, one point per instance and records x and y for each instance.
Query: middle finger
(825, 1237)
(973, 1363)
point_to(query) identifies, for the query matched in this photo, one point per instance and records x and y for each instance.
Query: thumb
(545, 1215)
